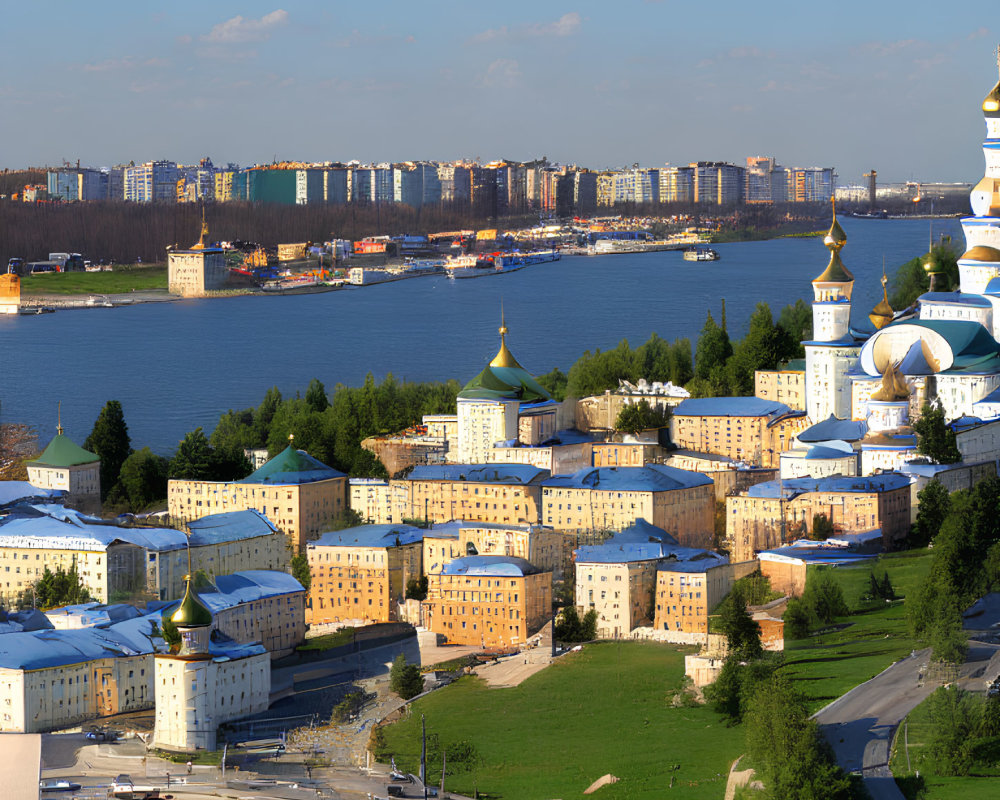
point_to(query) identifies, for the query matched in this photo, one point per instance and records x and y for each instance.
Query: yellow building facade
(688, 590)
(786, 386)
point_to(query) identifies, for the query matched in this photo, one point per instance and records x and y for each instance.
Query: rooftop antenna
(59, 427)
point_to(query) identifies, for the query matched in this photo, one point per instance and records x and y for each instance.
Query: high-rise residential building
(484, 191)
(116, 183)
(431, 183)
(152, 182)
(408, 185)
(335, 185)
(383, 190)
(605, 189)
(584, 191)
(810, 185)
(718, 183)
(565, 185)
(360, 185)
(764, 179)
(677, 185)
(77, 184)
(271, 185)
(309, 187)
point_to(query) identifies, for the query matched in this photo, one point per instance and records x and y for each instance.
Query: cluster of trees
(349, 707)
(571, 628)
(405, 679)
(821, 602)
(18, 443)
(965, 731)
(54, 589)
(641, 416)
(965, 530)
(912, 280)
(656, 360)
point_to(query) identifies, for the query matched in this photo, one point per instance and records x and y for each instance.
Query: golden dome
(504, 358)
(991, 105)
(981, 252)
(882, 313)
(192, 612)
(894, 388)
(834, 240)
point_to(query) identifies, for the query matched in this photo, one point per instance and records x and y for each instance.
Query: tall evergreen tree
(934, 438)
(316, 396)
(193, 459)
(109, 440)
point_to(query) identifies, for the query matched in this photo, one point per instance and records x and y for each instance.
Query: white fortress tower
(833, 348)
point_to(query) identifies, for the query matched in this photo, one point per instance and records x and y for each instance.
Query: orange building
(690, 586)
(488, 601)
(360, 574)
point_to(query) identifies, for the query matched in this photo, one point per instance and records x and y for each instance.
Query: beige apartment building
(539, 545)
(299, 494)
(786, 386)
(498, 493)
(359, 575)
(689, 588)
(617, 582)
(495, 602)
(776, 513)
(746, 429)
(610, 499)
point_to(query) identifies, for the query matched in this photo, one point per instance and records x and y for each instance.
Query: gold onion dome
(882, 313)
(893, 388)
(981, 252)
(504, 358)
(192, 612)
(991, 104)
(835, 240)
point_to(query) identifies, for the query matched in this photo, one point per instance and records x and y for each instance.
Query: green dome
(192, 612)
(64, 452)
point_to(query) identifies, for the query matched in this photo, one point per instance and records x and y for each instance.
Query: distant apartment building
(745, 429)
(718, 183)
(688, 588)
(810, 185)
(538, 544)
(71, 185)
(775, 513)
(360, 574)
(335, 186)
(488, 601)
(612, 499)
(309, 187)
(765, 181)
(636, 185)
(152, 182)
(605, 189)
(677, 185)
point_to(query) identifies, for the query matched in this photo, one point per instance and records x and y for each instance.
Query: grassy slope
(77, 283)
(605, 709)
(828, 665)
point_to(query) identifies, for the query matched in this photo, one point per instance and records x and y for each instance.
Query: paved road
(860, 724)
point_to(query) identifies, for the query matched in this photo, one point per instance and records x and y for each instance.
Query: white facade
(81, 482)
(194, 696)
(828, 390)
(482, 424)
(794, 464)
(883, 458)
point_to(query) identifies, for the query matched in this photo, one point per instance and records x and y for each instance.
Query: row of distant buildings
(491, 189)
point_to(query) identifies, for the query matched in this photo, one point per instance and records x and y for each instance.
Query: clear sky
(850, 84)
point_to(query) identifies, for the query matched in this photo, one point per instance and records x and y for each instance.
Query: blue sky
(853, 85)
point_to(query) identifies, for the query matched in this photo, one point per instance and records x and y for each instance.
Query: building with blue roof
(748, 430)
(493, 602)
(296, 492)
(114, 559)
(538, 544)
(13, 493)
(833, 457)
(361, 574)
(613, 498)
(772, 514)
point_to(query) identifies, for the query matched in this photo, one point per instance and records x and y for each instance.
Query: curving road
(860, 724)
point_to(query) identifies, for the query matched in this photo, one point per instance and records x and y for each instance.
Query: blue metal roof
(54, 648)
(820, 452)
(693, 560)
(230, 526)
(619, 552)
(490, 566)
(247, 586)
(730, 407)
(13, 492)
(885, 482)
(480, 473)
(650, 478)
(97, 615)
(370, 536)
(848, 430)
(641, 531)
(816, 553)
(993, 287)
(915, 362)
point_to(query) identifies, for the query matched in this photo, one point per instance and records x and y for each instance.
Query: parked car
(57, 785)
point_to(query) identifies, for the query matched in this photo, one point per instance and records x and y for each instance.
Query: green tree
(641, 416)
(588, 626)
(300, 570)
(822, 528)
(955, 718)
(824, 597)
(711, 354)
(797, 322)
(933, 505)
(316, 396)
(555, 383)
(59, 588)
(797, 619)
(109, 440)
(934, 438)
(568, 625)
(194, 458)
(912, 280)
(741, 631)
(787, 748)
(737, 682)
(143, 479)
(405, 679)
(764, 347)
(948, 642)
(416, 588)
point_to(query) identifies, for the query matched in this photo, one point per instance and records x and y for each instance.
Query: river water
(176, 366)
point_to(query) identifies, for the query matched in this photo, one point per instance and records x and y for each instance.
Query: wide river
(176, 366)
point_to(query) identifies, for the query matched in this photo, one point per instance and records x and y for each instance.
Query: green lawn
(122, 279)
(937, 787)
(828, 665)
(605, 709)
(328, 640)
